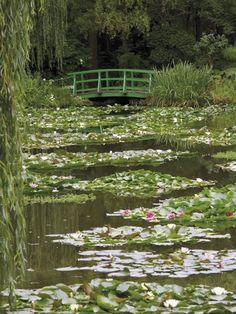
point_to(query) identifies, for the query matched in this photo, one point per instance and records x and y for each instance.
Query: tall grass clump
(181, 85)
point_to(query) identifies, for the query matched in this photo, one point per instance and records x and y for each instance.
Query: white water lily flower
(74, 307)
(144, 287)
(184, 250)
(199, 180)
(33, 185)
(150, 295)
(171, 303)
(171, 226)
(44, 157)
(218, 291)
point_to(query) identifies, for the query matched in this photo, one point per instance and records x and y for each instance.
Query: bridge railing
(111, 81)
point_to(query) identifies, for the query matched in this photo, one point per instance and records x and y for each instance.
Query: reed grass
(181, 85)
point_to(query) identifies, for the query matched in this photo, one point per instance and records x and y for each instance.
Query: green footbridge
(109, 83)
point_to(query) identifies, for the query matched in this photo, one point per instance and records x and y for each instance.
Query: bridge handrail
(110, 70)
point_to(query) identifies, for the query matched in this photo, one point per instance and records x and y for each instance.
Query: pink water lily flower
(180, 213)
(150, 216)
(171, 216)
(125, 212)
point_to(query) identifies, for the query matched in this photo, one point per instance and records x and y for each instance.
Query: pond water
(50, 262)
(45, 257)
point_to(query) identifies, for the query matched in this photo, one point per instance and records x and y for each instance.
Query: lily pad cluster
(230, 166)
(177, 264)
(143, 183)
(139, 183)
(67, 160)
(67, 198)
(67, 127)
(127, 235)
(210, 205)
(229, 155)
(114, 296)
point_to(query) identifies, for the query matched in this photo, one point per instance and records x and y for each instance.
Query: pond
(128, 193)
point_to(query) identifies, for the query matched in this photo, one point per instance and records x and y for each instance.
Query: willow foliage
(47, 37)
(121, 16)
(14, 39)
(16, 21)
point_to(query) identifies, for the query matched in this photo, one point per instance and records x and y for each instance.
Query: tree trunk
(93, 44)
(198, 31)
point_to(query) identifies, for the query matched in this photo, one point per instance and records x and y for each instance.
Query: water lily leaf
(106, 303)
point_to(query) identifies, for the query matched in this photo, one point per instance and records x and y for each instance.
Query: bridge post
(74, 85)
(99, 83)
(150, 82)
(132, 77)
(124, 82)
(107, 81)
(82, 79)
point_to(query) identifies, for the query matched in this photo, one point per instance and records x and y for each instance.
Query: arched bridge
(112, 83)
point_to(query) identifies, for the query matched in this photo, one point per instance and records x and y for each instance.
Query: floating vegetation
(66, 160)
(133, 251)
(210, 205)
(230, 155)
(181, 263)
(127, 235)
(139, 183)
(53, 184)
(230, 166)
(68, 198)
(114, 296)
(143, 183)
(77, 126)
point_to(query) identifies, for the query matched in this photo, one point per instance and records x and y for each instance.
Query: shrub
(181, 85)
(210, 48)
(230, 53)
(224, 88)
(45, 93)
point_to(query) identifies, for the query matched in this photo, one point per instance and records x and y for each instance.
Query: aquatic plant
(142, 183)
(116, 296)
(230, 155)
(65, 160)
(60, 128)
(156, 235)
(209, 207)
(68, 198)
(176, 264)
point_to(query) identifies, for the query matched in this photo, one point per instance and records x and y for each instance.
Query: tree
(16, 21)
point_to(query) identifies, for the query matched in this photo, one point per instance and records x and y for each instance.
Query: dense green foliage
(162, 32)
(183, 84)
(14, 38)
(41, 93)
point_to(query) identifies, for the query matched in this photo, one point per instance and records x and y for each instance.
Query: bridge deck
(112, 83)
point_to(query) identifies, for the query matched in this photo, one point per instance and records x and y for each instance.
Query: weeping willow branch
(48, 33)
(15, 27)
(14, 38)
(121, 16)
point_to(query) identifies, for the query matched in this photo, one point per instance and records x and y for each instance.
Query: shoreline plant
(181, 85)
